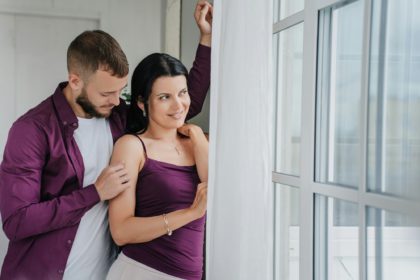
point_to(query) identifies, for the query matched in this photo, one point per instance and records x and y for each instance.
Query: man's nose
(115, 99)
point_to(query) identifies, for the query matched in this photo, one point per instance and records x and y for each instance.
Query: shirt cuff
(91, 195)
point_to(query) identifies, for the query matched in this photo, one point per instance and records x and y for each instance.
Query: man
(55, 179)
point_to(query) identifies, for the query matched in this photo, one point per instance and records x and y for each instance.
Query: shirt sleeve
(199, 80)
(23, 213)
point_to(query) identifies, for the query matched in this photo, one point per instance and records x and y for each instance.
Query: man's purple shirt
(42, 199)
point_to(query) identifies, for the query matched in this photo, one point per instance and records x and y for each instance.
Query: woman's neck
(169, 135)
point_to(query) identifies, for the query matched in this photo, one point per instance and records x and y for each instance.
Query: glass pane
(285, 8)
(289, 93)
(394, 99)
(336, 239)
(276, 9)
(286, 237)
(338, 94)
(393, 246)
(274, 98)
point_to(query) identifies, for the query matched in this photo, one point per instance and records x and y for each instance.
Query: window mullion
(307, 155)
(364, 138)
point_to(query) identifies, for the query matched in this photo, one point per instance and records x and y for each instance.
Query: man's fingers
(210, 13)
(116, 167)
(203, 13)
(200, 5)
(198, 9)
(123, 187)
(124, 179)
(118, 170)
(121, 172)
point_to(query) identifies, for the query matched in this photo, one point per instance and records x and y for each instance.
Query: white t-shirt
(93, 251)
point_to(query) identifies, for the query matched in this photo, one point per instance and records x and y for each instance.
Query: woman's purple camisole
(162, 188)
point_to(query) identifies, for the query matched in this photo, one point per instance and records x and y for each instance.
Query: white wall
(137, 25)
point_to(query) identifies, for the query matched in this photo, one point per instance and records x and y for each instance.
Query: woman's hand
(203, 15)
(199, 206)
(190, 129)
(200, 148)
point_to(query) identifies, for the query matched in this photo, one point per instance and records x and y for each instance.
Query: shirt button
(65, 123)
(69, 241)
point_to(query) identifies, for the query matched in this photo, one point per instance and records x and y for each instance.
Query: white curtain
(240, 221)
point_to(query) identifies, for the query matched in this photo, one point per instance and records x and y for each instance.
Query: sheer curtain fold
(239, 227)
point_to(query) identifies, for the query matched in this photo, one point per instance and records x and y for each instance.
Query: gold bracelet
(165, 220)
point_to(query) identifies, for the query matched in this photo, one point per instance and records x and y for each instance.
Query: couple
(56, 176)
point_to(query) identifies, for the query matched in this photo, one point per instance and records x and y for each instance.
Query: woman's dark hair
(147, 71)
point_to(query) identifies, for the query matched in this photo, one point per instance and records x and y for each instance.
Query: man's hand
(112, 181)
(203, 15)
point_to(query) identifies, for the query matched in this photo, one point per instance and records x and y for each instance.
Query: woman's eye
(163, 97)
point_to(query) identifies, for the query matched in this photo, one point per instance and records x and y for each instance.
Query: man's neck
(71, 99)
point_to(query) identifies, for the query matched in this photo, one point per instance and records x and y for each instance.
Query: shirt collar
(64, 112)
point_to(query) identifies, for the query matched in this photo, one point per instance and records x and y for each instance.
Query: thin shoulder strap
(142, 143)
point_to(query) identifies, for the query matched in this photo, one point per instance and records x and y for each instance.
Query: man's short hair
(93, 50)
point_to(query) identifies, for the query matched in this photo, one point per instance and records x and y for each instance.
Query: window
(286, 221)
(336, 239)
(347, 139)
(289, 47)
(339, 94)
(393, 245)
(394, 99)
(288, 61)
(285, 8)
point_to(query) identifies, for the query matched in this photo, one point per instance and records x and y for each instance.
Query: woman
(159, 220)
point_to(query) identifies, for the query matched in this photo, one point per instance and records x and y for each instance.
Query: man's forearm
(46, 216)
(199, 80)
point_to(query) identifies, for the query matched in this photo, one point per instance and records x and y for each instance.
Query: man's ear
(75, 82)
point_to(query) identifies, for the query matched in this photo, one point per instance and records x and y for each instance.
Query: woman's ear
(141, 105)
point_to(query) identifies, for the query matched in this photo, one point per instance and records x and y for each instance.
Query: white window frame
(308, 188)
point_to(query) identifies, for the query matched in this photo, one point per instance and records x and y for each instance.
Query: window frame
(305, 182)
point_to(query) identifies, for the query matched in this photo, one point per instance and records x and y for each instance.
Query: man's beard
(88, 107)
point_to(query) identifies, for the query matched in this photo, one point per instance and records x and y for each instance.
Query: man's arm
(199, 80)
(23, 213)
(199, 76)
